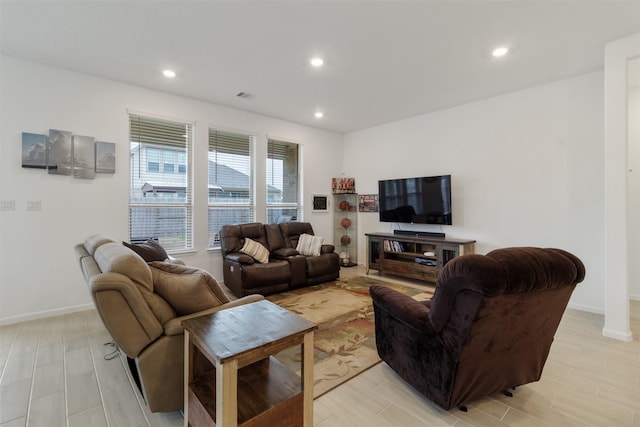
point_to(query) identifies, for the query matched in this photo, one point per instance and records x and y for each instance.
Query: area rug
(344, 343)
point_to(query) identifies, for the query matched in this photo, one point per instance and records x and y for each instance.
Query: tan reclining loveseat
(143, 305)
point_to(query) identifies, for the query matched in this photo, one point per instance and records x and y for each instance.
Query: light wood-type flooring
(54, 374)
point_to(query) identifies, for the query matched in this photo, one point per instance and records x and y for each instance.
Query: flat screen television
(424, 200)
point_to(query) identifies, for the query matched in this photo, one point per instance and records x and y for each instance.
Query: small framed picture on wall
(320, 203)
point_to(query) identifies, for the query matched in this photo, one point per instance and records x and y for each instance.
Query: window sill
(183, 252)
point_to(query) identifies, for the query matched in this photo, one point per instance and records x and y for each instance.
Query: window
(231, 192)
(160, 199)
(153, 159)
(283, 182)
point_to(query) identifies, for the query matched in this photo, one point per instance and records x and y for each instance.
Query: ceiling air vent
(244, 95)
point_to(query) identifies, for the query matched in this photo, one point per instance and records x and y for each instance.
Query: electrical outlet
(34, 205)
(7, 205)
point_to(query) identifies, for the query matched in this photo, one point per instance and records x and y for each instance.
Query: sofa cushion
(291, 232)
(232, 236)
(263, 275)
(322, 265)
(309, 245)
(255, 250)
(274, 237)
(186, 289)
(149, 250)
(115, 258)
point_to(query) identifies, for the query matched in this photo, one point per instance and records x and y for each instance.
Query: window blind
(231, 188)
(160, 192)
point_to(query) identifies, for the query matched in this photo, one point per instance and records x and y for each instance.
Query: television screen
(425, 200)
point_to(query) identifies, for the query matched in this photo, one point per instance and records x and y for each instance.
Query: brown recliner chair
(488, 328)
(142, 306)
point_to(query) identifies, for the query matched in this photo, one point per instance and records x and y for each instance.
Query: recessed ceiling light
(501, 51)
(317, 62)
(169, 73)
(319, 114)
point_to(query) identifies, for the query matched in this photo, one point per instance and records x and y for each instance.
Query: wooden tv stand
(413, 256)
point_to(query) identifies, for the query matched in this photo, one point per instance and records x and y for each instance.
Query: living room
(527, 169)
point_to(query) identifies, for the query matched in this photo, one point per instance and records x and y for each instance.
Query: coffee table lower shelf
(269, 394)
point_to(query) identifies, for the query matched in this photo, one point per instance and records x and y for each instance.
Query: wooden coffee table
(231, 377)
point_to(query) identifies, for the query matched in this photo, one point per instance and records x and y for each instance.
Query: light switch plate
(7, 205)
(34, 205)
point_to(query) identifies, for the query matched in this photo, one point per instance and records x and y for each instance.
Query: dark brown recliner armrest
(241, 258)
(327, 249)
(405, 309)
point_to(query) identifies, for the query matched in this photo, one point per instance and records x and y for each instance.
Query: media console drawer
(410, 269)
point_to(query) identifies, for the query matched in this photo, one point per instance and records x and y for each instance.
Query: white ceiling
(384, 60)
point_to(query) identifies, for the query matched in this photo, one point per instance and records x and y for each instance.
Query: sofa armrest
(174, 326)
(414, 314)
(240, 258)
(327, 249)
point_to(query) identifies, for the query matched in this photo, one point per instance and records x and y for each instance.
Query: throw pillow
(149, 251)
(187, 289)
(255, 250)
(309, 245)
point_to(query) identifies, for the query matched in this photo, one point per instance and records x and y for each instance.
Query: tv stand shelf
(413, 256)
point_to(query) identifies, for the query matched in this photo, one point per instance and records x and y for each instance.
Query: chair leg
(507, 393)
(463, 408)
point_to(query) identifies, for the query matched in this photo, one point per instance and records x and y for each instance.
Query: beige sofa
(142, 306)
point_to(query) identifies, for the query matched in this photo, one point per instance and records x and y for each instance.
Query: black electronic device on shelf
(418, 233)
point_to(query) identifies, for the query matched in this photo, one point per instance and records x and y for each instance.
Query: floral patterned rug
(344, 343)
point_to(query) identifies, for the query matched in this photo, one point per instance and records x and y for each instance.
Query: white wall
(633, 190)
(526, 168)
(38, 272)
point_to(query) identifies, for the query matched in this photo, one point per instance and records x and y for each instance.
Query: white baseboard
(634, 297)
(47, 313)
(586, 308)
(622, 336)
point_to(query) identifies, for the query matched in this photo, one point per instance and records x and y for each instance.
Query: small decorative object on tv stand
(417, 257)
